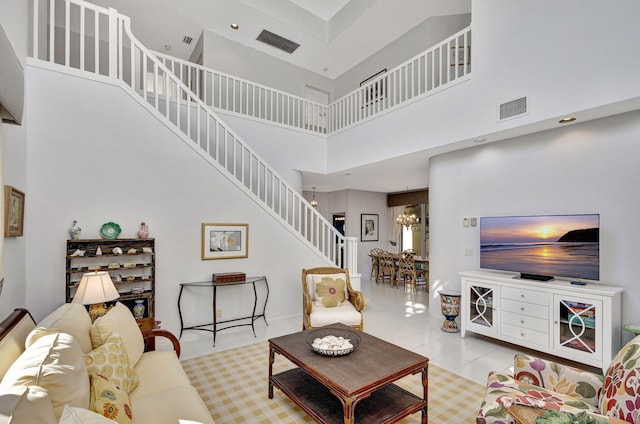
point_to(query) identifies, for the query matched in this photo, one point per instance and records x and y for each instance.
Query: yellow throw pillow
(120, 319)
(330, 291)
(109, 400)
(111, 361)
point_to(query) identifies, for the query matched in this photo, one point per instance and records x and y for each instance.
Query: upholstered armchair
(546, 385)
(328, 298)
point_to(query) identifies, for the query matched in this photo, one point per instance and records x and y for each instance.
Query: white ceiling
(334, 35)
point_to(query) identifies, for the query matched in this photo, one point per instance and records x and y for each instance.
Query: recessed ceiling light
(567, 120)
(235, 26)
(167, 47)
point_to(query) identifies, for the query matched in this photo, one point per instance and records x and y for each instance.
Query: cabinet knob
(522, 308)
(521, 321)
(522, 296)
(522, 334)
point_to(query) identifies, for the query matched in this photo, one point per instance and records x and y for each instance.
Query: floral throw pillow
(109, 400)
(621, 391)
(330, 291)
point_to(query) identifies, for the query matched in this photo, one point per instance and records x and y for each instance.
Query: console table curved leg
(215, 315)
(253, 313)
(180, 312)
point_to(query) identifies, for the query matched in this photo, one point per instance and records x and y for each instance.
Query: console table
(581, 323)
(215, 285)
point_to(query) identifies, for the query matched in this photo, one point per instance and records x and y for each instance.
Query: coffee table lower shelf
(386, 405)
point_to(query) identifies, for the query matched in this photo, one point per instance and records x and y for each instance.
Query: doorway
(338, 220)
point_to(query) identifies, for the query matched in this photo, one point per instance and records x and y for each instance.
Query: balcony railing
(445, 64)
(441, 66)
(238, 96)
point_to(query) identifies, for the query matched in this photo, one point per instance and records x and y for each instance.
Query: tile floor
(394, 314)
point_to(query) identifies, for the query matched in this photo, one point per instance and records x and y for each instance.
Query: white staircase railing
(88, 38)
(441, 66)
(235, 95)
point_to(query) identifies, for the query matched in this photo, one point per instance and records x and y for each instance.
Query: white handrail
(60, 35)
(235, 95)
(431, 71)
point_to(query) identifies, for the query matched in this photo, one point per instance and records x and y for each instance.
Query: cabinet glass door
(577, 325)
(481, 305)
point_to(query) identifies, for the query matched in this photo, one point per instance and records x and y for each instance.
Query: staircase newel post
(352, 262)
(352, 254)
(113, 43)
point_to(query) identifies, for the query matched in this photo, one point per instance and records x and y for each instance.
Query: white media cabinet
(577, 322)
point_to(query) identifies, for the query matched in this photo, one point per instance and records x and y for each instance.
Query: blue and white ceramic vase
(138, 309)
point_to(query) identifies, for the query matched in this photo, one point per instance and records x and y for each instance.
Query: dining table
(419, 260)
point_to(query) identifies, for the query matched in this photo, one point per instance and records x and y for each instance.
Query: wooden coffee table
(357, 385)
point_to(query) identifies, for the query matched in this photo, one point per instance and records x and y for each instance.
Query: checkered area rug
(233, 385)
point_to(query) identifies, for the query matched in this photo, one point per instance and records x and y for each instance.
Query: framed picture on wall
(13, 212)
(369, 227)
(225, 241)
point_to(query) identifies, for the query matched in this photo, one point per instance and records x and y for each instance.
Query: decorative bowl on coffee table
(339, 350)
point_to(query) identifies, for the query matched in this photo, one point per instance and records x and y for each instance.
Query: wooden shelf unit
(133, 270)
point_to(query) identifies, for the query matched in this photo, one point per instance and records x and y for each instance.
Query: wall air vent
(187, 39)
(277, 41)
(513, 108)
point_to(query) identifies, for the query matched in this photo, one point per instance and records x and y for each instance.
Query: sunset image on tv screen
(559, 245)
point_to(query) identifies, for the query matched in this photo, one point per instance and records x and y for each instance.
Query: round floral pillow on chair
(330, 291)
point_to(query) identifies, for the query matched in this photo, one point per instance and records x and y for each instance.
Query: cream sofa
(50, 372)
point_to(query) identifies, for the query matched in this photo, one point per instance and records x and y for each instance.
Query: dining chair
(387, 266)
(408, 272)
(375, 256)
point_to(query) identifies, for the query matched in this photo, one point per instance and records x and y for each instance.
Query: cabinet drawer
(524, 321)
(524, 308)
(523, 295)
(527, 336)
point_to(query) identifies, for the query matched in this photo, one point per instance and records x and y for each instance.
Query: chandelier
(314, 201)
(407, 219)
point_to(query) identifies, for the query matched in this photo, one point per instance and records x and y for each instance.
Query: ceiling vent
(187, 39)
(513, 108)
(277, 41)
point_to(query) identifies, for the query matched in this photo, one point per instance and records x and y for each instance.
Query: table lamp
(95, 289)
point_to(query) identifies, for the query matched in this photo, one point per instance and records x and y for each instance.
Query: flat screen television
(542, 247)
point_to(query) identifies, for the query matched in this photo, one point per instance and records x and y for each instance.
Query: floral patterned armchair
(328, 298)
(548, 385)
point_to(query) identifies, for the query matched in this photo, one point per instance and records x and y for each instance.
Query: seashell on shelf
(116, 251)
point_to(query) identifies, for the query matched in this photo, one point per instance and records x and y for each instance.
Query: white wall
(564, 57)
(584, 168)
(13, 19)
(233, 58)
(13, 140)
(96, 156)
(415, 41)
(284, 149)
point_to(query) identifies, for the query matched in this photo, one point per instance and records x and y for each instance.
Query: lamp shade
(95, 287)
